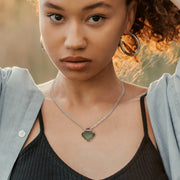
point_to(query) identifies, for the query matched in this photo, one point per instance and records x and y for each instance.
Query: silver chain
(102, 119)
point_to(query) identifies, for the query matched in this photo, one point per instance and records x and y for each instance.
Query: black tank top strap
(41, 121)
(40, 162)
(143, 113)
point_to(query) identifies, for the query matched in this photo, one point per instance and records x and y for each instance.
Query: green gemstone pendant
(88, 135)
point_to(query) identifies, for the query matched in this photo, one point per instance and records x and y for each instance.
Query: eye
(96, 18)
(56, 17)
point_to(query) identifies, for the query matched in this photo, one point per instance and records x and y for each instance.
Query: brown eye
(96, 18)
(56, 17)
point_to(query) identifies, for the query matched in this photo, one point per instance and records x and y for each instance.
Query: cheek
(50, 39)
(103, 39)
(47, 30)
(107, 38)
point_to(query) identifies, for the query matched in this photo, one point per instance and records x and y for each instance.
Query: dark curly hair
(158, 20)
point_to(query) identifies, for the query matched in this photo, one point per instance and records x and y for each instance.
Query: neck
(103, 87)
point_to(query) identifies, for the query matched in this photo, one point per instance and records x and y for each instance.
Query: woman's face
(84, 32)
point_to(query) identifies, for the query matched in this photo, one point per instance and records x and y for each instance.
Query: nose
(75, 39)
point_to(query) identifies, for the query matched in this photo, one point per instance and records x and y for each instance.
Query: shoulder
(15, 81)
(20, 102)
(8, 71)
(5, 72)
(164, 92)
(15, 75)
(134, 92)
(163, 102)
(45, 88)
(17, 85)
(19, 95)
(166, 83)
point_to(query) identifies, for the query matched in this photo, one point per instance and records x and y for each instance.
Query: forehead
(82, 4)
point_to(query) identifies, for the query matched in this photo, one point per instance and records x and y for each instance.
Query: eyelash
(99, 16)
(53, 14)
(60, 16)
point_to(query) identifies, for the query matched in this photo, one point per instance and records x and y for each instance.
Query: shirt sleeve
(20, 102)
(4, 77)
(163, 103)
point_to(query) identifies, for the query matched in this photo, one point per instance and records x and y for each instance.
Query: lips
(75, 63)
(75, 59)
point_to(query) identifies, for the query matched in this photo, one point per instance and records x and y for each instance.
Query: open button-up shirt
(21, 100)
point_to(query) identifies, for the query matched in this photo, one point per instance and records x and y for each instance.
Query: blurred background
(19, 46)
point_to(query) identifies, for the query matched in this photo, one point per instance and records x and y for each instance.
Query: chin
(77, 76)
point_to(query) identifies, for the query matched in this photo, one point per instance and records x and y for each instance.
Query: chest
(115, 143)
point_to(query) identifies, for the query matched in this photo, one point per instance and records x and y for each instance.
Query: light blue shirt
(21, 100)
(163, 102)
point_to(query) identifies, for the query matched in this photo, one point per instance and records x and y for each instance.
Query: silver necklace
(87, 134)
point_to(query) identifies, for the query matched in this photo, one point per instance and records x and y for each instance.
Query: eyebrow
(87, 8)
(99, 4)
(53, 6)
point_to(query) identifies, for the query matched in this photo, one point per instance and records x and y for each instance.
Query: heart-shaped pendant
(88, 135)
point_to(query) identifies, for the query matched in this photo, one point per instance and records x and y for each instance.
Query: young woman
(87, 124)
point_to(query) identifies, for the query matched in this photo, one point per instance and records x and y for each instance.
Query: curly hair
(158, 20)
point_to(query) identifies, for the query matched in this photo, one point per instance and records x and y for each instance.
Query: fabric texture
(21, 100)
(163, 103)
(38, 161)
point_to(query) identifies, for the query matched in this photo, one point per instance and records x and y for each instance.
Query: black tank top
(38, 161)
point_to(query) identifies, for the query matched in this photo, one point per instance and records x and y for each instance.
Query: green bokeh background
(19, 46)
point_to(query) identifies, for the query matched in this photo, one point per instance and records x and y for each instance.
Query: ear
(131, 14)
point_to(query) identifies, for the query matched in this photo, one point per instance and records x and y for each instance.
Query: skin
(177, 3)
(88, 94)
